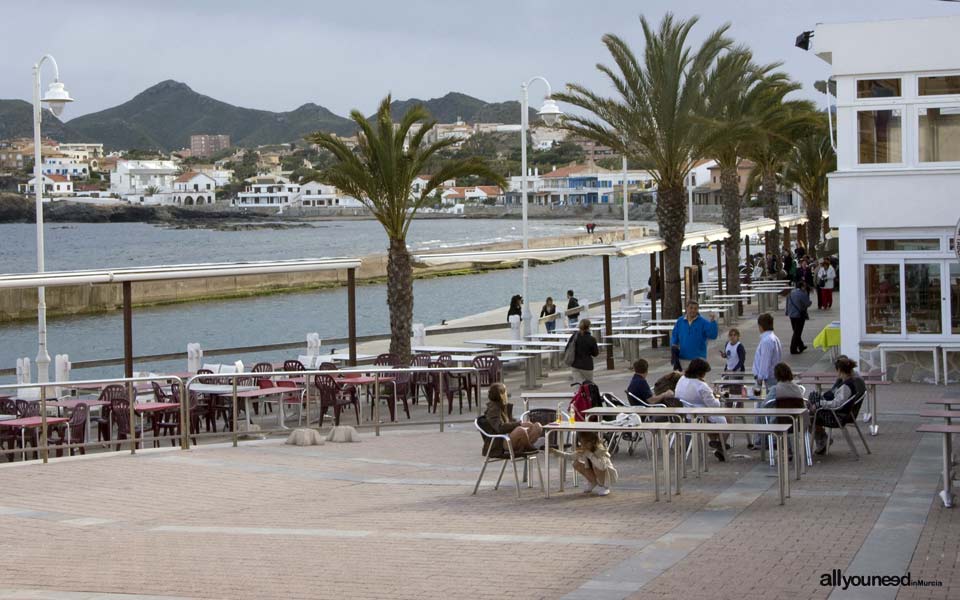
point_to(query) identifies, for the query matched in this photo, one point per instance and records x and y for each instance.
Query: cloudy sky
(280, 54)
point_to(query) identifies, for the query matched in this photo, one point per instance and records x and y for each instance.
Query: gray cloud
(278, 55)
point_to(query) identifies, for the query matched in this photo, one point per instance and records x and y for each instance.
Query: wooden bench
(910, 347)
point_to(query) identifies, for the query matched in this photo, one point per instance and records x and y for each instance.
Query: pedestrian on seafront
(572, 317)
(585, 347)
(516, 307)
(768, 352)
(797, 304)
(688, 340)
(549, 309)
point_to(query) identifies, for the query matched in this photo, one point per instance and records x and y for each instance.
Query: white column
(628, 288)
(851, 292)
(43, 357)
(524, 118)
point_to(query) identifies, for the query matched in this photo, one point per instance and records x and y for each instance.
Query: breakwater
(19, 304)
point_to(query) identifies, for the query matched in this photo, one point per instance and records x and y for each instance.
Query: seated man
(639, 389)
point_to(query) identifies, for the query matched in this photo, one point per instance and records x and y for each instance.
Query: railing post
(132, 403)
(184, 415)
(376, 402)
(306, 394)
(44, 450)
(441, 404)
(233, 409)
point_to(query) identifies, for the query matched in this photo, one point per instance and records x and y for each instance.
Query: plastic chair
(421, 380)
(104, 421)
(120, 414)
(77, 426)
(261, 367)
(453, 383)
(333, 395)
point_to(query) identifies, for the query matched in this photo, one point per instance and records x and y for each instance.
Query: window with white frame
(879, 136)
(938, 133)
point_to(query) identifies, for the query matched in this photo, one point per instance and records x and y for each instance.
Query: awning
(647, 245)
(172, 272)
(757, 226)
(703, 233)
(513, 256)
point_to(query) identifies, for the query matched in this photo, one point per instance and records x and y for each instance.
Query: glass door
(924, 298)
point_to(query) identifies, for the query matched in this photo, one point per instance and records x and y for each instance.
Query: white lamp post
(550, 113)
(56, 98)
(628, 292)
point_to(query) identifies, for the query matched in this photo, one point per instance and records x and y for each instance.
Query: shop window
(879, 136)
(923, 298)
(882, 299)
(903, 245)
(939, 134)
(878, 88)
(939, 86)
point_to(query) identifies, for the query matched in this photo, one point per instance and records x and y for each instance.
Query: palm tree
(379, 173)
(652, 121)
(807, 165)
(769, 152)
(740, 98)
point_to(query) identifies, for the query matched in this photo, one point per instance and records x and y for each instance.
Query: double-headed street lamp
(56, 98)
(550, 113)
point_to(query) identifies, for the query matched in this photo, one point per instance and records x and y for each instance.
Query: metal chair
(839, 418)
(510, 457)
(786, 403)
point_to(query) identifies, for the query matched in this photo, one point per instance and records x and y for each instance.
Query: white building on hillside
(134, 178)
(194, 189)
(316, 194)
(477, 193)
(53, 186)
(61, 164)
(268, 191)
(579, 184)
(894, 196)
(87, 153)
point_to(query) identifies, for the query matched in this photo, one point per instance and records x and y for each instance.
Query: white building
(74, 168)
(194, 189)
(87, 153)
(319, 195)
(220, 176)
(579, 184)
(268, 191)
(477, 193)
(53, 186)
(894, 196)
(134, 180)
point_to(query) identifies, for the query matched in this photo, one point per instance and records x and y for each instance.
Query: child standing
(592, 460)
(734, 352)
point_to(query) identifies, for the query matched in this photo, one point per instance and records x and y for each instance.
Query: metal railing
(309, 396)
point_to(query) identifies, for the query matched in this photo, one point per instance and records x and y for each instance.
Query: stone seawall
(17, 304)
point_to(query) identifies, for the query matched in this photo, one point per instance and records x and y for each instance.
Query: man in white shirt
(768, 352)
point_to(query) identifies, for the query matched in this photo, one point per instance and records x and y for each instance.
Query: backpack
(570, 350)
(586, 397)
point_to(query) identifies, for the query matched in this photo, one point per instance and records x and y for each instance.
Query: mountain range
(165, 115)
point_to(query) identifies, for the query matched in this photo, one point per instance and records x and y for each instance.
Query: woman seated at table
(851, 384)
(522, 435)
(693, 390)
(785, 387)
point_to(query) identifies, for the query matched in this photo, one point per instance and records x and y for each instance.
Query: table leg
(946, 496)
(780, 477)
(546, 440)
(531, 375)
(874, 414)
(695, 445)
(666, 465)
(654, 441)
(678, 454)
(797, 447)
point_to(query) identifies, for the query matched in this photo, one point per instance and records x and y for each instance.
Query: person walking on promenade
(768, 352)
(572, 302)
(516, 307)
(826, 277)
(688, 340)
(549, 309)
(584, 349)
(797, 304)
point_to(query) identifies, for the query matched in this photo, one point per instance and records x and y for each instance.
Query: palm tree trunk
(814, 224)
(400, 298)
(768, 199)
(672, 221)
(730, 193)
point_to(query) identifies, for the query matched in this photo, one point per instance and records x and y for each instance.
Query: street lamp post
(550, 113)
(628, 292)
(56, 97)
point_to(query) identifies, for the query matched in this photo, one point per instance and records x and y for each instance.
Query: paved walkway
(393, 517)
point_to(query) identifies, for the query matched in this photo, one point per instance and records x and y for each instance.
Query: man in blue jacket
(690, 334)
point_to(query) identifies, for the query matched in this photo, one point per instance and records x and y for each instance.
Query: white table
(450, 349)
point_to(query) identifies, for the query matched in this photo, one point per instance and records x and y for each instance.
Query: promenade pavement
(393, 517)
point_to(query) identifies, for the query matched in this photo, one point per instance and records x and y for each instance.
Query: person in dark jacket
(572, 303)
(498, 421)
(584, 349)
(639, 389)
(797, 304)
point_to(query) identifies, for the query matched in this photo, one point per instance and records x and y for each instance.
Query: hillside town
(203, 175)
